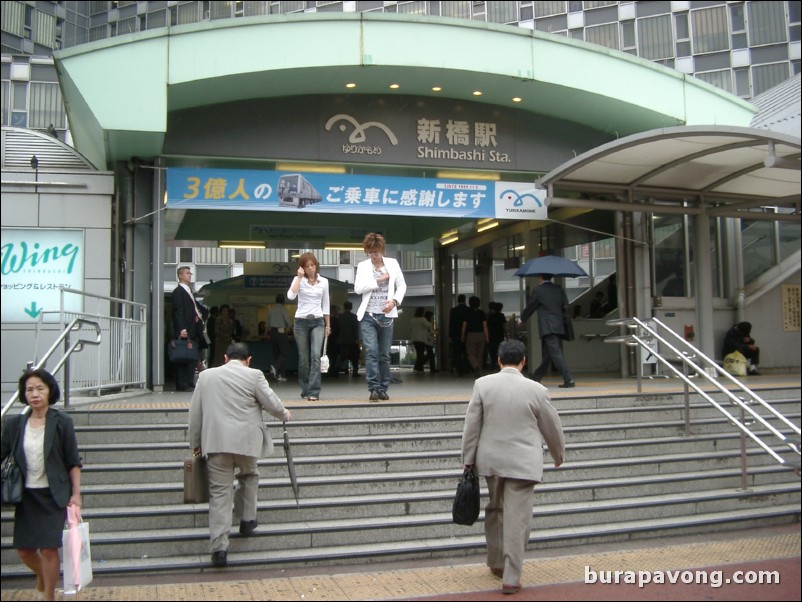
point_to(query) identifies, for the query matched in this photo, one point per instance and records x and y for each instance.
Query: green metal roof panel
(130, 83)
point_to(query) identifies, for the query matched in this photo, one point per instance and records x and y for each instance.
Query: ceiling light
(437, 89)
(449, 240)
(519, 248)
(487, 226)
(517, 99)
(394, 86)
(350, 85)
(477, 92)
(241, 244)
(469, 175)
(342, 246)
(310, 167)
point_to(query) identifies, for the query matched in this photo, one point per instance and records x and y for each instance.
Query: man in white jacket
(380, 282)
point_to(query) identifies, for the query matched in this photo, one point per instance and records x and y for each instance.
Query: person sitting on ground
(738, 338)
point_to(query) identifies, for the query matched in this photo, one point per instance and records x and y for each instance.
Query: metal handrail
(688, 357)
(75, 325)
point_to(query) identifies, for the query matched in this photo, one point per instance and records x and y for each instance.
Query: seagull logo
(518, 199)
(358, 135)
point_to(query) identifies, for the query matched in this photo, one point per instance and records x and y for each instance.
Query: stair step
(433, 547)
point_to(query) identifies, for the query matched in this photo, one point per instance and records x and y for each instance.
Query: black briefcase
(182, 351)
(196, 480)
(466, 503)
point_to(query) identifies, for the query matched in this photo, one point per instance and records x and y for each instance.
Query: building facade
(725, 45)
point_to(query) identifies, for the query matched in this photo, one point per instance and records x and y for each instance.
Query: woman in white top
(311, 322)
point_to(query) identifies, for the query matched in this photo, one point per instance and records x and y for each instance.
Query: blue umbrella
(551, 264)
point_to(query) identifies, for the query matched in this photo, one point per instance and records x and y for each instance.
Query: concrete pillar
(704, 283)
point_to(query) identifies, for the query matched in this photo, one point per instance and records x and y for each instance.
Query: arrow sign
(33, 312)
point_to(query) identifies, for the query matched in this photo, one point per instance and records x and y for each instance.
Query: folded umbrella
(291, 466)
(551, 264)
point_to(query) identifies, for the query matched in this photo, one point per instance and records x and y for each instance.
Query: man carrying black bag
(508, 420)
(188, 325)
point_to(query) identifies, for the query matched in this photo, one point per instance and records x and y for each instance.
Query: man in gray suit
(226, 423)
(508, 419)
(551, 305)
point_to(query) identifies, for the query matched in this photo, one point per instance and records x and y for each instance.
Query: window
(414, 8)
(710, 32)
(460, 9)
(547, 9)
(794, 10)
(682, 33)
(757, 238)
(220, 10)
(670, 261)
(654, 38)
(502, 12)
(768, 76)
(720, 79)
(603, 35)
(13, 18)
(766, 23)
(4, 101)
(628, 37)
(46, 106)
(743, 86)
(738, 26)
(187, 13)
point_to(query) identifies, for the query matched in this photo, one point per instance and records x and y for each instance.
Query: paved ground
(704, 567)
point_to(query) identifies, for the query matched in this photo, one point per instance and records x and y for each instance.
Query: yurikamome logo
(357, 139)
(518, 199)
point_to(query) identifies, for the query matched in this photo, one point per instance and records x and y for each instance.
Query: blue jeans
(309, 339)
(377, 336)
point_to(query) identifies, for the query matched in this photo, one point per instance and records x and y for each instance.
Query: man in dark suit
(508, 420)
(187, 324)
(551, 305)
(459, 356)
(226, 424)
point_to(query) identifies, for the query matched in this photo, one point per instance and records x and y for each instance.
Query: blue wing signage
(250, 190)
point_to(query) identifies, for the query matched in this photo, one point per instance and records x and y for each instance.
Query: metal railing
(698, 368)
(70, 347)
(120, 360)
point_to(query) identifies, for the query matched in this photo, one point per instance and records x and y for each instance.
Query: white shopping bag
(77, 564)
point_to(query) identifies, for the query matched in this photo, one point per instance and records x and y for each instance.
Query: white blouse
(34, 447)
(313, 300)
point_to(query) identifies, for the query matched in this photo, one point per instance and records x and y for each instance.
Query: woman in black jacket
(47, 454)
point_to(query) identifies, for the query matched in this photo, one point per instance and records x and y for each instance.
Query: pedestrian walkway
(705, 567)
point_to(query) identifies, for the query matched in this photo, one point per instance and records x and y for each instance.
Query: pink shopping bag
(77, 556)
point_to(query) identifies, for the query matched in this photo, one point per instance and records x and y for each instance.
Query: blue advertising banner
(249, 190)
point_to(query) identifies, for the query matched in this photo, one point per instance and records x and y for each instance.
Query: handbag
(77, 555)
(735, 363)
(12, 482)
(324, 359)
(182, 351)
(196, 480)
(568, 327)
(466, 503)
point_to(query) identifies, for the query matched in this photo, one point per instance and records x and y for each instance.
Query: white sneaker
(281, 379)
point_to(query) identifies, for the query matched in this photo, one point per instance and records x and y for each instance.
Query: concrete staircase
(377, 481)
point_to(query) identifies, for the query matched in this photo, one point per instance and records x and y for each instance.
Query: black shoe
(383, 395)
(570, 385)
(374, 396)
(247, 527)
(220, 558)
